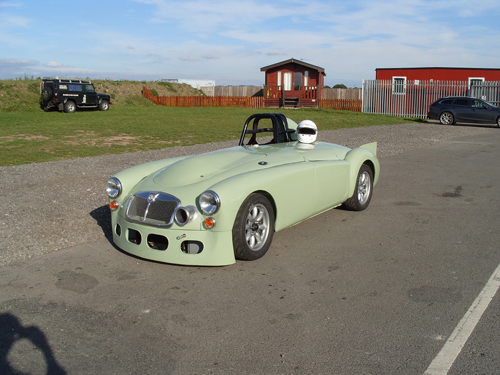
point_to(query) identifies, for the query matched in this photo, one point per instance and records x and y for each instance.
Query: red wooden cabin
(293, 83)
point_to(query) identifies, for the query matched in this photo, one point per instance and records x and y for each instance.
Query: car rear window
(447, 101)
(462, 102)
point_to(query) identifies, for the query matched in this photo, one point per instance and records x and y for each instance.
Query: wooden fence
(354, 105)
(204, 101)
(240, 101)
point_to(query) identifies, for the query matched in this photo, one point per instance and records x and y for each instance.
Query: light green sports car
(214, 208)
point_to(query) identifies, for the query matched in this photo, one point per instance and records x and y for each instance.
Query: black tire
(446, 118)
(363, 190)
(69, 106)
(46, 94)
(103, 105)
(498, 121)
(253, 228)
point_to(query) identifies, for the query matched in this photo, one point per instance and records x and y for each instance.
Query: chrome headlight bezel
(113, 187)
(209, 202)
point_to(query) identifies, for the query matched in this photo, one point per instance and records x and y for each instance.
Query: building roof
(437, 67)
(294, 61)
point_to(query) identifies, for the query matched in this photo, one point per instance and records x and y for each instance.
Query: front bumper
(170, 245)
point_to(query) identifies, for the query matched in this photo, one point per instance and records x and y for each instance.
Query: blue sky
(229, 41)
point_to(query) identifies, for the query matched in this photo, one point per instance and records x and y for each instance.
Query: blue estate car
(453, 109)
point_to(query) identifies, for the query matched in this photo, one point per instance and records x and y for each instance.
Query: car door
(463, 109)
(90, 95)
(332, 179)
(481, 112)
(331, 171)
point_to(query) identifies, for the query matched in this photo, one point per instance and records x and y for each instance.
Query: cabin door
(292, 83)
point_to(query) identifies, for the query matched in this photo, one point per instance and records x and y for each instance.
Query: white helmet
(307, 131)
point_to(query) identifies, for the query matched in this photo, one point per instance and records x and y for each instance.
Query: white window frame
(287, 81)
(470, 79)
(394, 86)
(480, 91)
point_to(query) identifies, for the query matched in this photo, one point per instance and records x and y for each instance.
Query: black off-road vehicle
(69, 94)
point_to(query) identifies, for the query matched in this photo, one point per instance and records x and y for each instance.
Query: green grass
(38, 136)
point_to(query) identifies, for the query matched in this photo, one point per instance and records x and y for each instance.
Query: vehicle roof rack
(67, 80)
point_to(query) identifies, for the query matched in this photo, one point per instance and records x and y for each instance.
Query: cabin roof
(293, 61)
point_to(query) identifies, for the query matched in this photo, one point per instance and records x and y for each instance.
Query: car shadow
(467, 124)
(102, 216)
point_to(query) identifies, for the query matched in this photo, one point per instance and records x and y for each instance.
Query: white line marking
(453, 346)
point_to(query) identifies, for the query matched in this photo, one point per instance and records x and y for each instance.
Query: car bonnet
(222, 164)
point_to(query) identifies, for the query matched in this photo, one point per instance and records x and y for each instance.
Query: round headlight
(209, 202)
(113, 187)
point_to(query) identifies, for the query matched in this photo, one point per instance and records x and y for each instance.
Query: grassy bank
(37, 136)
(22, 95)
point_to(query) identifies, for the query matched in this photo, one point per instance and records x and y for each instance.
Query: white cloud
(5, 4)
(10, 21)
(53, 64)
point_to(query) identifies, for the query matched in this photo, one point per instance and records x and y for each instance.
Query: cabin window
(399, 85)
(287, 78)
(279, 78)
(306, 78)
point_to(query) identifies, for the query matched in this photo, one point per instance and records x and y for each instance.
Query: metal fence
(412, 98)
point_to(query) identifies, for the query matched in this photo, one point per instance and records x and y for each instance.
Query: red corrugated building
(439, 74)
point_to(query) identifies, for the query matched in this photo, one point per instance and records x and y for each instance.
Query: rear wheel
(446, 118)
(69, 106)
(253, 228)
(498, 121)
(363, 190)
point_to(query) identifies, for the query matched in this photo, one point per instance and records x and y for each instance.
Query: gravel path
(56, 205)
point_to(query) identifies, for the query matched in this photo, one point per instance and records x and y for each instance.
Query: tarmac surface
(372, 292)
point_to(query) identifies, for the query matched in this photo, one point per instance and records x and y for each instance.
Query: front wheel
(69, 107)
(363, 191)
(446, 118)
(104, 105)
(253, 228)
(498, 121)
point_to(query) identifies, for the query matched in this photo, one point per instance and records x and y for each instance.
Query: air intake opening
(118, 230)
(157, 242)
(181, 216)
(192, 247)
(184, 215)
(134, 236)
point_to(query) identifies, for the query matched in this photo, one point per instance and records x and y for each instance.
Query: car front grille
(152, 208)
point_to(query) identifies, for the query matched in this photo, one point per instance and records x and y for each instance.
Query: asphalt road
(373, 292)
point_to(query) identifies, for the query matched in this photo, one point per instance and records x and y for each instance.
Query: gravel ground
(51, 206)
